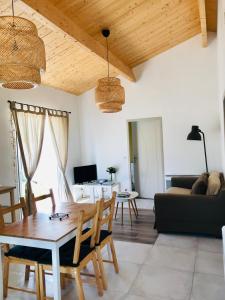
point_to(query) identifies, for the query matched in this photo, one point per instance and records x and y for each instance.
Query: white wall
(221, 71)
(180, 86)
(42, 96)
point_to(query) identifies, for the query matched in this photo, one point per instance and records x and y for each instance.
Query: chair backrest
(10, 209)
(105, 215)
(43, 197)
(90, 232)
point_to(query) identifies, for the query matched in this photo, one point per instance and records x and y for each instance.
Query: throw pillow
(200, 185)
(213, 183)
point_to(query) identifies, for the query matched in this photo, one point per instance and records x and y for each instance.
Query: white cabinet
(93, 191)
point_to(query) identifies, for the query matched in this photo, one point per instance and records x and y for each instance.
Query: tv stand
(92, 191)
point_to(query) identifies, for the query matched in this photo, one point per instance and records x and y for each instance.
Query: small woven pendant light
(22, 53)
(109, 94)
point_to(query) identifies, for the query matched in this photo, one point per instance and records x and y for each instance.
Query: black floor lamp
(195, 135)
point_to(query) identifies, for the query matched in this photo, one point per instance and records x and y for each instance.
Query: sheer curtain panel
(29, 122)
(59, 125)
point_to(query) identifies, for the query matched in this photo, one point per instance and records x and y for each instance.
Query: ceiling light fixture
(109, 94)
(22, 53)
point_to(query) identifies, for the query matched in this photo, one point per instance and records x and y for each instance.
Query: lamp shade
(109, 90)
(110, 107)
(22, 54)
(194, 135)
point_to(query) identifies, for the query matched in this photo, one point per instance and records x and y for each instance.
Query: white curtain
(29, 123)
(59, 125)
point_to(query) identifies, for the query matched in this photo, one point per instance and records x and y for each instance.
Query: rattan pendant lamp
(22, 53)
(109, 94)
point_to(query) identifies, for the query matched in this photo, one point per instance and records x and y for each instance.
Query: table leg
(1, 273)
(12, 202)
(116, 209)
(129, 203)
(56, 274)
(122, 211)
(135, 205)
(132, 204)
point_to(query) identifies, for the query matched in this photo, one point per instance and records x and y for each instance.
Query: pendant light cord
(13, 12)
(107, 55)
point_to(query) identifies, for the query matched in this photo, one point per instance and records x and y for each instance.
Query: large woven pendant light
(22, 53)
(109, 94)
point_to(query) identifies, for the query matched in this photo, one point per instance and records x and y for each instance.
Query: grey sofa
(187, 213)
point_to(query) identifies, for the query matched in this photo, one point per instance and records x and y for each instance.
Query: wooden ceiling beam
(203, 22)
(46, 9)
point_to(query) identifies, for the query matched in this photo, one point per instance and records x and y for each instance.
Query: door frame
(128, 147)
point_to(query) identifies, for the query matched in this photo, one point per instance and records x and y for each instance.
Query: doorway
(146, 156)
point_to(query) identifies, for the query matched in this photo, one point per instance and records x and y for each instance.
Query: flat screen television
(85, 174)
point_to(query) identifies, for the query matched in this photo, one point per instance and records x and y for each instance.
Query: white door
(150, 157)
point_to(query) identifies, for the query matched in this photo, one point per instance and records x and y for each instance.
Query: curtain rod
(69, 112)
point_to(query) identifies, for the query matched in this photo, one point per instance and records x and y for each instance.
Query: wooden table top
(6, 189)
(39, 227)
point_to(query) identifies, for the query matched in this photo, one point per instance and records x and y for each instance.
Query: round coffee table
(131, 199)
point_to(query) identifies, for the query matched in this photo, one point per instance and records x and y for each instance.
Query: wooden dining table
(41, 232)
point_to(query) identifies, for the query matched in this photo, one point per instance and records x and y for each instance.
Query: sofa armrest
(184, 181)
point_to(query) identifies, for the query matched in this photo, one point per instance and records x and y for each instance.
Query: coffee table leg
(129, 203)
(122, 212)
(116, 209)
(135, 204)
(132, 204)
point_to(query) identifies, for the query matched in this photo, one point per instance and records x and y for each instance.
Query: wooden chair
(43, 197)
(76, 254)
(104, 236)
(20, 254)
(35, 200)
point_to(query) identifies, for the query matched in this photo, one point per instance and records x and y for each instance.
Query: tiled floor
(175, 268)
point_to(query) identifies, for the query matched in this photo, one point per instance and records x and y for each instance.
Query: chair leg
(63, 282)
(97, 275)
(37, 279)
(79, 284)
(114, 258)
(101, 268)
(27, 273)
(42, 283)
(5, 277)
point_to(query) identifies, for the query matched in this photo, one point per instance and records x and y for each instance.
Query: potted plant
(111, 170)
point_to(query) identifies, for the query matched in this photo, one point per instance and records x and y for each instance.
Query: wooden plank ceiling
(140, 30)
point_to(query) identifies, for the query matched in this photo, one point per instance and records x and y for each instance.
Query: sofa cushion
(178, 190)
(214, 183)
(200, 185)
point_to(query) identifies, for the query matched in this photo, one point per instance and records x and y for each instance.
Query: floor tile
(163, 282)
(208, 287)
(133, 297)
(132, 252)
(179, 241)
(210, 245)
(209, 263)
(172, 257)
(126, 277)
